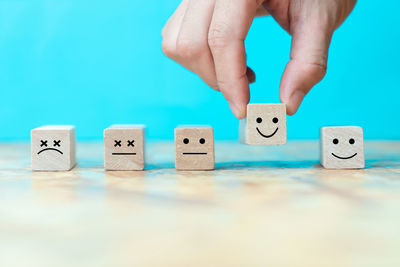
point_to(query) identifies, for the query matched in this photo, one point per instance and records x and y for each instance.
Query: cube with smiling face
(265, 124)
(342, 147)
(194, 148)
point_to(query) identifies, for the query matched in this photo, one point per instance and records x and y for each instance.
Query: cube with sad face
(124, 148)
(265, 124)
(194, 148)
(342, 147)
(53, 148)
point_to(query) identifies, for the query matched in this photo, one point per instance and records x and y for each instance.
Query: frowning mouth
(344, 157)
(194, 153)
(46, 149)
(266, 136)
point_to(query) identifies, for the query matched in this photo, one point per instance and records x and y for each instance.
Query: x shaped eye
(117, 143)
(57, 143)
(130, 143)
(43, 143)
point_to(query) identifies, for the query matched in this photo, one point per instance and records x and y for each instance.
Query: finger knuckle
(189, 49)
(217, 36)
(317, 69)
(225, 87)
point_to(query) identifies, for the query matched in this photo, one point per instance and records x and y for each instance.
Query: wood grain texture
(194, 148)
(53, 148)
(124, 148)
(342, 147)
(265, 124)
(261, 206)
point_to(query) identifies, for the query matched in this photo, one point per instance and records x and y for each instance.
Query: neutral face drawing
(201, 142)
(45, 147)
(194, 148)
(342, 147)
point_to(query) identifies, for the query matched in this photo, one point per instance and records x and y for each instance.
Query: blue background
(96, 63)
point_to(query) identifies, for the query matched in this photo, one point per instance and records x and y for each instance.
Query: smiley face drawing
(53, 148)
(342, 147)
(124, 148)
(265, 125)
(260, 120)
(194, 148)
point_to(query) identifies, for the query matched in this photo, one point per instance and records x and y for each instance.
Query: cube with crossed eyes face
(124, 148)
(53, 148)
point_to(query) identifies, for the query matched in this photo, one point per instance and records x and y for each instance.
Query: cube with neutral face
(342, 147)
(265, 124)
(194, 148)
(124, 148)
(53, 148)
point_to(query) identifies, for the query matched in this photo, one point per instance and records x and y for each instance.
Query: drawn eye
(202, 140)
(43, 143)
(335, 141)
(130, 143)
(275, 120)
(186, 141)
(57, 143)
(352, 141)
(259, 120)
(117, 143)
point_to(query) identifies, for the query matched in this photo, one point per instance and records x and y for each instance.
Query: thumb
(307, 65)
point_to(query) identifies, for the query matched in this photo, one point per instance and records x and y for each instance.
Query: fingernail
(236, 110)
(294, 101)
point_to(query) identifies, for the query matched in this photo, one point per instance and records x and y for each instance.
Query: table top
(262, 205)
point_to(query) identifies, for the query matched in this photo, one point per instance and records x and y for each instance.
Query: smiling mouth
(266, 136)
(194, 153)
(344, 157)
(46, 149)
(122, 154)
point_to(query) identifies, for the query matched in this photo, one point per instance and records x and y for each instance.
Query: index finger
(229, 27)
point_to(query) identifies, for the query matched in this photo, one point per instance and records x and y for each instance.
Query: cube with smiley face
(265, 124)
(342, 147)
(194, 148)
(124, 148)
(53, 148)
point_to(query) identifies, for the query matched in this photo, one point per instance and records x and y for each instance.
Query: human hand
(207, 37)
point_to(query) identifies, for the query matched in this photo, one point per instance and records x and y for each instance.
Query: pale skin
(207, 37)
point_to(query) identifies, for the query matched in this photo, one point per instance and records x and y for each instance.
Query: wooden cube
(194, 148)
(342, 147)
(53, 148)
(265, 124)
(124, 148)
